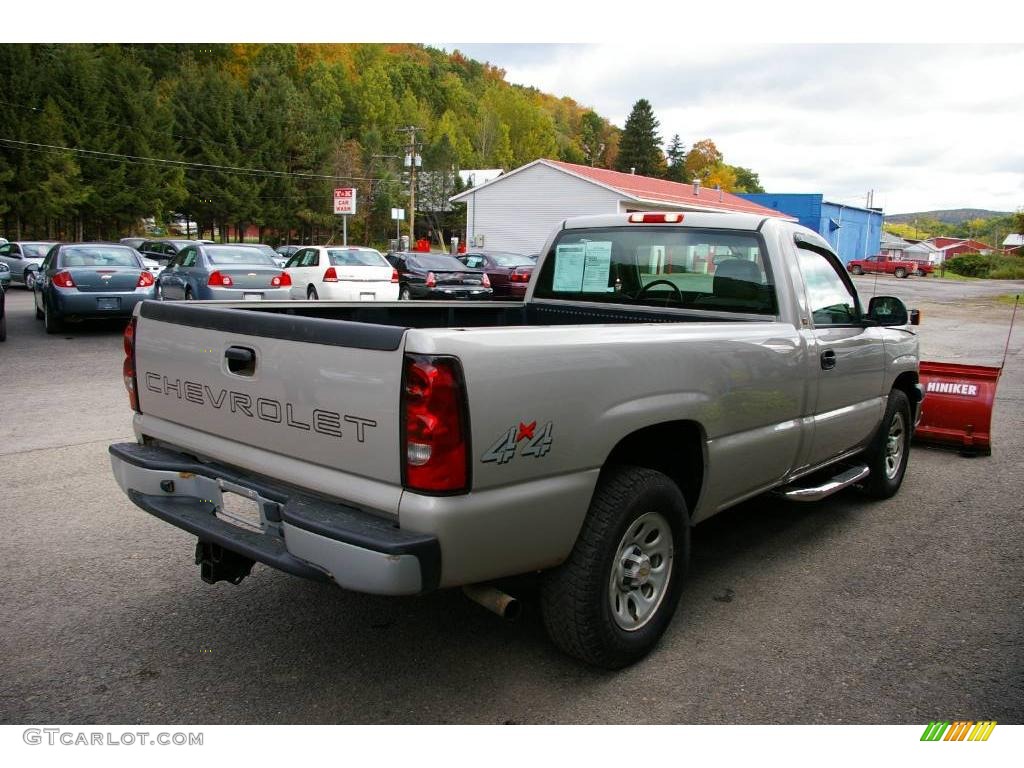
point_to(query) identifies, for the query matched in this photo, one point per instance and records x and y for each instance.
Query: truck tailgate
(308, 389)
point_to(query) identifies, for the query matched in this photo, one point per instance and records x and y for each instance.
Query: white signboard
(398, 214)
(345, 201)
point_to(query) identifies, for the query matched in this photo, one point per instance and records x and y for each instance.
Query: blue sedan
(84, 281)
(233, 272)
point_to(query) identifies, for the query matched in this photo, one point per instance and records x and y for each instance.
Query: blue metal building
(854, 232)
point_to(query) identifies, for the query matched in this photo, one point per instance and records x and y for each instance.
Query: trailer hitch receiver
(219, 564)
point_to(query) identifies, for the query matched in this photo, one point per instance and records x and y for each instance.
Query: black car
(162, 251)
(437, 276)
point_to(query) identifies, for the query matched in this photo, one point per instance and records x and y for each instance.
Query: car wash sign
(345, 201)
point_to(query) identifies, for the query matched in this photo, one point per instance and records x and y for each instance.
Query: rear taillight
(220, 279)
(281, 281)
(63, 280)
(394, 275)
(330, 276)
(435, 426)
(655, 218)
(486, 281)
(431, 280)
(128, 370)
(145, 280)
(519, 277)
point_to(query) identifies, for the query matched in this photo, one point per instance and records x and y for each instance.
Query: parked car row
(81, 281)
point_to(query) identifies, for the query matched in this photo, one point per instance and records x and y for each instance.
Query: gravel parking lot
(844, 611)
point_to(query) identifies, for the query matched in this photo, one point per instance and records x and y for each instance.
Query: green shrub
(970, 265)
(1008, 271)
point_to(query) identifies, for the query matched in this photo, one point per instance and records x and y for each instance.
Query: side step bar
(815, 493)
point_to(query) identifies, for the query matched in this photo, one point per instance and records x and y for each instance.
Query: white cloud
(926, 127)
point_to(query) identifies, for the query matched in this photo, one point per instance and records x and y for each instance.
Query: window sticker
(597, 266)
(569, 262)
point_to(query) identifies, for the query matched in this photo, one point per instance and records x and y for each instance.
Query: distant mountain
(952, 216)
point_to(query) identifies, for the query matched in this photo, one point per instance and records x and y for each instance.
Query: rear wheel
(188, 294)
(901, 272)
(3, 327)
(311, 294)
(611, 600)
(52, 323)
(158, 294)
(39, 312)
(889, 452)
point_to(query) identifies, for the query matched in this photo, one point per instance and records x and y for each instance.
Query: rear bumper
(205, 292)
(452, 294)
(75, 303)
(303, 535)
(357, 291)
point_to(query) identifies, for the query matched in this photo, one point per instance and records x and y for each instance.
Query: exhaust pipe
(494, 600)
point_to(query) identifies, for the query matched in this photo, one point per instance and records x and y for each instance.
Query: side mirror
(915, 317)
(888, 310)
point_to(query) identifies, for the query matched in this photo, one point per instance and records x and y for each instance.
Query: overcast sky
(926, 127)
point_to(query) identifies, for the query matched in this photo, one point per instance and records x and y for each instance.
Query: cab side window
(831, 300)
(187, 258)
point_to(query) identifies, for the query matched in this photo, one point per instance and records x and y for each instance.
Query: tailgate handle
(241, 360)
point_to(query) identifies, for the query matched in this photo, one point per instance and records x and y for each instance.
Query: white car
(342, 273)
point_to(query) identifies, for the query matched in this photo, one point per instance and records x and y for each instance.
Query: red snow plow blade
(957, 408)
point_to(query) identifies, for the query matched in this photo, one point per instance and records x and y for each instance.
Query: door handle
(828, 360)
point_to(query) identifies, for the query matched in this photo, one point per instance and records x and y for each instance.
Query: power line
(183, 164)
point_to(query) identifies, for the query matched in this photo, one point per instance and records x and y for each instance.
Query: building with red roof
(518, 210)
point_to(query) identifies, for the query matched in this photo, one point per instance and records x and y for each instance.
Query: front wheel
(30, 279)
(613, 598)
(188, 294)
(405, 295)
(857, 270)
(889, 452)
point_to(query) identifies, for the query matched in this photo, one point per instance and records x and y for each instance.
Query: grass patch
(1009, 299)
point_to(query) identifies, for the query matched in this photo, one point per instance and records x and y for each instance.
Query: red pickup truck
(890, 265)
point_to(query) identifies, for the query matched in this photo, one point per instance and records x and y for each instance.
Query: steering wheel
(669, 283)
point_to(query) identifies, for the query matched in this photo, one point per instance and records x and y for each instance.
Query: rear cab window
(660, 266)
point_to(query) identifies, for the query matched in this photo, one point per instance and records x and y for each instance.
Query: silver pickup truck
(662, 367)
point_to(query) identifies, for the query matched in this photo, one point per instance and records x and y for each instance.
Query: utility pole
(412, 159)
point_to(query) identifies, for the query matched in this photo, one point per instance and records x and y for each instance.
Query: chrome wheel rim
(894, 443)
(30, 280)
(641, 571)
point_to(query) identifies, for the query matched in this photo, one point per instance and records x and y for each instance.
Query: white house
(518, 210)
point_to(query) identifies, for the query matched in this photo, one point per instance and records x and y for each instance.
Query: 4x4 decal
(537, 443)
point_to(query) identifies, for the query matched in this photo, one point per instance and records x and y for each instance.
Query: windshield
(228, 255)
(35, 250)
(660, 267)
(436, 261)
(511, 259)
(99, 256)
(356, 257)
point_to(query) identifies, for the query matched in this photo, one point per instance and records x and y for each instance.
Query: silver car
(234, 272)
(23, 258)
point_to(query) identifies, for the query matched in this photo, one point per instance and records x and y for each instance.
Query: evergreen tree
(676, 156)
(640, 145)
(747, 180)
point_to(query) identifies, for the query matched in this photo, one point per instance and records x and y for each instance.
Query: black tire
(918, 273)
(311, 294)
(188, 293)
(900, 272)
(3, 327)
(53, 324)
(884, 481)
(39, 312)
(158, 292)
(857, 270)
(405, 295)
(577, 598)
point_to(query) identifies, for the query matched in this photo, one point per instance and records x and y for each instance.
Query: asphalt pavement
(844, 611)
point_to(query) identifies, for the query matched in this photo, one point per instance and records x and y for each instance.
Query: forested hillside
(96, 137)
